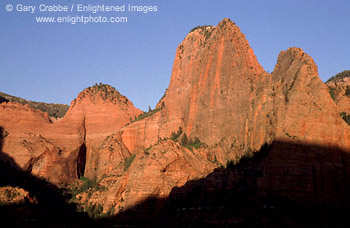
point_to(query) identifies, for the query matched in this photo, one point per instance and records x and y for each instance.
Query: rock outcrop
(219, 99)
(13, 195)
(54, 110)
(216, 78)
(100, 111)
(305, 112)
(214, 74)
(229, 102)
(339, 88)
(63, 151)
(153, 173)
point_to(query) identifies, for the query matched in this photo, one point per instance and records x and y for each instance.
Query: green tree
(332, 92)
(184, 140)
(347, 91)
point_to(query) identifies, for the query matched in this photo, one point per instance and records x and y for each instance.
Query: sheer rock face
(218, 92)
(18, 122)
(100, 111)
(309, 157)
(213, 77)
(305, 112)
(52, 150)
(214, 94)
(22, 140)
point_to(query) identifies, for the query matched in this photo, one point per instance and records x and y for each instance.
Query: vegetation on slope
(189, 143)
(144, 115)
(54, 110)
(331, 91)
(200, 27)
(205, 29)
(80, 192)
(346, 117)
(337, 86)
(128, 161)
(339, 76)
(106, 92)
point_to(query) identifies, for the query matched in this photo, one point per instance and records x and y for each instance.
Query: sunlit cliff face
(220, 106)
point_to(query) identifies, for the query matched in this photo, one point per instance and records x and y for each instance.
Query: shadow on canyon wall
(283, 185)
(45, 206)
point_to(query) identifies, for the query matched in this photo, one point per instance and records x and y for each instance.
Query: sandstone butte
(218, 93)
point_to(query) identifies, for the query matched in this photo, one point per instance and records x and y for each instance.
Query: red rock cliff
(219, 93)
(63, 151)
(213, 94)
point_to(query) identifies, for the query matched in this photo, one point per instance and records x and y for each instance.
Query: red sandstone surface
(218, 93)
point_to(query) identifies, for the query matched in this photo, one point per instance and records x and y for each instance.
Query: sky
(53, 62)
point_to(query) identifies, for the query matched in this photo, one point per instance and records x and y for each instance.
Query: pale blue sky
(54, 62)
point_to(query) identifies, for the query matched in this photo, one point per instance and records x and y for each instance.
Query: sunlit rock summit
(220, 106)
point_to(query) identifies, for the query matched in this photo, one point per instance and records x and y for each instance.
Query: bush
(203, 29)
(146, 114)
(176, 135)
(331, 91)
(128, 161)
(184, 140)
(345, 117)
(106, 92)
(347, 91)
(94, 211)
(196, 143)
(200, 27)
(87, 184)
